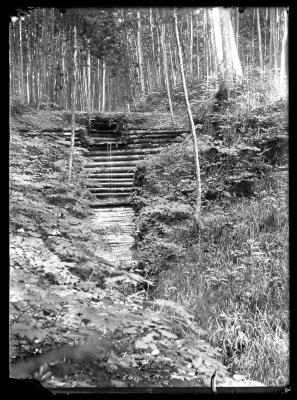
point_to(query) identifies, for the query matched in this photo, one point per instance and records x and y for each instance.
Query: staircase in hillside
(113, 157)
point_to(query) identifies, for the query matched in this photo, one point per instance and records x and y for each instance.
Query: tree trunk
(159, 61)
(216, 24)
(152, 42)
(103, 84)
(191, 44)
(173, 72)
(89, 94)
(195, 141)
(140, 56)
(237, 29)
(271, 61)
(205, 47)
(284, 71)
(36, 65)
(165, 65)
(197, 49)
(98, 85)
(226, 42)
(275, 53)
(73, 101)
(109, 88)
(229, 65)
(52, 77)
(21, 59)
(63, 72)
(260, 40)
(265, 38)
(212, 52)
(11, 62)
(149, 76)
(29, 70)
(236, 64)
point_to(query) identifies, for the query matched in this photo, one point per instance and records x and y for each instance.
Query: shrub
(18, 106)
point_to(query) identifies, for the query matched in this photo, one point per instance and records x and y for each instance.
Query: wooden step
(111, 164)
(118, 158)
(112, 195)
(101, 141)
(111, 190)
(151, 131)
(132, 146)
(110, 184)
(120, 202)
(128, 151)
(119, 136)
(109, 170)
(111, 181)
(104, 175)
(106, 204)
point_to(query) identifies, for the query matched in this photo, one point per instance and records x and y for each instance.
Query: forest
(148, 197)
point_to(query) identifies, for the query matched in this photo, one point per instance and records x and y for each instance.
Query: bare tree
(165, 63)
(260, 40)
(140, 55)
(21, 59)
(103, 84)
(195, 141)
(73, 101)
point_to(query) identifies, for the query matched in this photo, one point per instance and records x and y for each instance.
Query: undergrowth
(231, 271)
(74, 320)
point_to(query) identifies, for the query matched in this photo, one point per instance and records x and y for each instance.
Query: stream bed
(117, 227)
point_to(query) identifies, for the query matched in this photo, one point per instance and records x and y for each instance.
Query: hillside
(62, 291)
(230, 271)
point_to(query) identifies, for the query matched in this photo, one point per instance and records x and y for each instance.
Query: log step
(152, 145)
(113, 164)
(104, 175)
(124, 150)
(94, 130)
(110, 184)
(134, 141)
(109, 170)
(109, 203)
(118, 158)
(100, 135)
(111, 191)
(111, 195)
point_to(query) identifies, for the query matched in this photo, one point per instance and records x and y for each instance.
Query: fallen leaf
(140, 344)
(168, 335)
(118, 383)
(197, 361)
